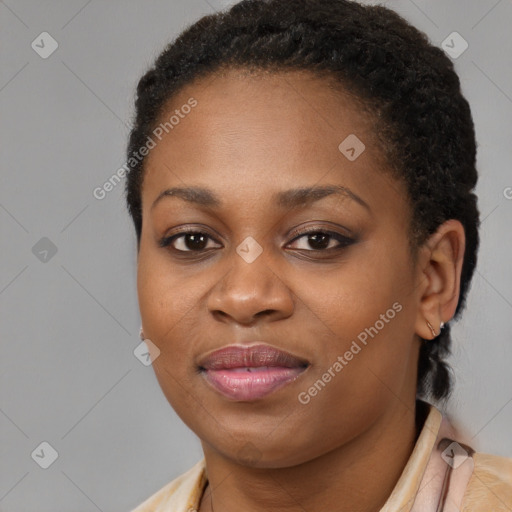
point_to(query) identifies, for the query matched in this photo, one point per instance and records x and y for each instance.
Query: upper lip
(241, 356)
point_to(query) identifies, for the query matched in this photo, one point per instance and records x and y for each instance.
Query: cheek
(164, 294)
(168, 305)
(349, 299)
(363, 315)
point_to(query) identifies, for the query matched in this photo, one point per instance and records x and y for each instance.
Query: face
(257, 262)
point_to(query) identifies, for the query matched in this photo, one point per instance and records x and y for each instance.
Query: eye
(187, 241)
(195, 241)
(321, 240)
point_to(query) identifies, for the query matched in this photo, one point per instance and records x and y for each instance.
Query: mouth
(247, 373)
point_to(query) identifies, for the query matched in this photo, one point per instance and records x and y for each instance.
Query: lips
(253, 356)
(248, 373)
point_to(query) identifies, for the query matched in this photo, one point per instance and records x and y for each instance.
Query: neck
(356, 477)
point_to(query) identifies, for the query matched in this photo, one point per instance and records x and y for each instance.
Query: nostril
(266, 312)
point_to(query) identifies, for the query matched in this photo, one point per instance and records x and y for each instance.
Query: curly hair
(423, 122)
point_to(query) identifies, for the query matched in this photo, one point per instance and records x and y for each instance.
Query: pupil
(313, 240)
(194, 241)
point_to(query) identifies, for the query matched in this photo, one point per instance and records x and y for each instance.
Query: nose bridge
(250, 285)
(250, 278)
(250, 275)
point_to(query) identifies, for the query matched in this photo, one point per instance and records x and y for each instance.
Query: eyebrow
(292, 198)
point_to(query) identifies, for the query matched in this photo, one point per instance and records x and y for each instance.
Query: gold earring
(432, 329)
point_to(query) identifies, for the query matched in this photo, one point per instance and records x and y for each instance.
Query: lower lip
(240, 384)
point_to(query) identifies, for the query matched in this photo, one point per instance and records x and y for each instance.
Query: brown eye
(323, 240)
(188, 241)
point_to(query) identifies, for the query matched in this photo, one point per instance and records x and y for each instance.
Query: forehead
(296, 105)
(266, 131)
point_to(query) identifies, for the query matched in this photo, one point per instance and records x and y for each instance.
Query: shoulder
(490, 485)
(183, 492)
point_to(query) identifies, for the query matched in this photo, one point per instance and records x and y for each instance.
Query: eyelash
(344, 241)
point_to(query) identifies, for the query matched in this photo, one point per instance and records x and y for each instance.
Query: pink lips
(249, 373)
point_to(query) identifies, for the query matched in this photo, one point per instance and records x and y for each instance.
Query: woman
(302, 188)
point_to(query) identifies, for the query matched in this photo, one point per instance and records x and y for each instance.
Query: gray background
(70, 324)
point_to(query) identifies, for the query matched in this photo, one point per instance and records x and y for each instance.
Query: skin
(247, 139)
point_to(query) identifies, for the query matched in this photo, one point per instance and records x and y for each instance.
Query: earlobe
(440, 269)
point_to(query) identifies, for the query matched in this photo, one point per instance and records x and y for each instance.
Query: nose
(250, 291)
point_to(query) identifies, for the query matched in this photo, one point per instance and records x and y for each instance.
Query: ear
(439, 269)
